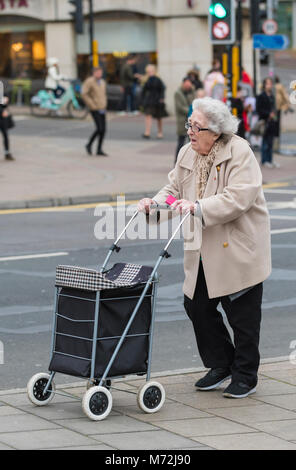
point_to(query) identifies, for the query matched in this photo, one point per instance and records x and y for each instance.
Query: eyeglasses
(194, 127)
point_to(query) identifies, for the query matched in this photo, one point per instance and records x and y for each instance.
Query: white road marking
(283, 230)
(41, 255)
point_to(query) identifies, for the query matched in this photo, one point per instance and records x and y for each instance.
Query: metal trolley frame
(97, 401)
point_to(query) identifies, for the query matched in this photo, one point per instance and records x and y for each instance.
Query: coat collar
(188, 159)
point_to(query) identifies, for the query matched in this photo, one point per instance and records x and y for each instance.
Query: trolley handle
(164, 253)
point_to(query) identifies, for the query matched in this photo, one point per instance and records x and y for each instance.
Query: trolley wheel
(151, 397)
(97, 403)
(35, 389)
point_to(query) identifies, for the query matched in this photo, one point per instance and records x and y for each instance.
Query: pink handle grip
(170, 200)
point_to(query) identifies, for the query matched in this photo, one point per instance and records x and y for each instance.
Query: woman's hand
(144, 204)
(183, 206)
(5, 114)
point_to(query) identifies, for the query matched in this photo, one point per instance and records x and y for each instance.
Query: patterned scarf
(203, 167)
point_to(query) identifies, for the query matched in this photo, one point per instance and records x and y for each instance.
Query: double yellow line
(101, 204)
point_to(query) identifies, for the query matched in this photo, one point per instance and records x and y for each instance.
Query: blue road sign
(276, 41)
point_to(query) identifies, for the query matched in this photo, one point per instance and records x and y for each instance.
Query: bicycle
(45, 104)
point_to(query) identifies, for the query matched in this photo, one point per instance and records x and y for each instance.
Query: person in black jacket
(152, 99)
(4, 129)
(266, 110)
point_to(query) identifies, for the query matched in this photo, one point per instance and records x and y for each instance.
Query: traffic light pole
(269, 6)
(91, 33)
(239, 35)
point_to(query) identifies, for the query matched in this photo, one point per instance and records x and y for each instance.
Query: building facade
(171, 33)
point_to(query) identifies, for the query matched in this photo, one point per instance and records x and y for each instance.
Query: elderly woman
(217, 178)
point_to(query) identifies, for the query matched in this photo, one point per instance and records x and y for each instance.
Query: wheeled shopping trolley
(103, 329)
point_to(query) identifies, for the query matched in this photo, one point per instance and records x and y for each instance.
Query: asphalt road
(33, 243)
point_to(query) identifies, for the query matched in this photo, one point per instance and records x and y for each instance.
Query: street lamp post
(91, 32)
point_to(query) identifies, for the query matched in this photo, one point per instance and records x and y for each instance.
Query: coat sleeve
(172, 188)
(85, 93)
(262, 108)
(180, 104)
(244, 182)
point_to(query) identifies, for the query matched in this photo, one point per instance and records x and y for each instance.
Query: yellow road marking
(66, 208)
(275, 185)
(102, 204)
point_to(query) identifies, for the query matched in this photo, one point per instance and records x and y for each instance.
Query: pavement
(56, 171)
(189, 420)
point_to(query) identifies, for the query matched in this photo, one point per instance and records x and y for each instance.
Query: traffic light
(258, 15)
(222, 22)
(77, 15)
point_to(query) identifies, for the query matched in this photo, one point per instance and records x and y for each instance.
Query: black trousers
(214, 343)
(100, 123)
(3, 129)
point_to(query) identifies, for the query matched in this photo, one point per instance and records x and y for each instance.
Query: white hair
(220, 120)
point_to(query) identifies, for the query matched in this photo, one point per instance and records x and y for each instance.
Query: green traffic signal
(218, 10)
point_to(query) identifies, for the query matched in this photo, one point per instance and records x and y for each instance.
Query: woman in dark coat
(4, 129)
(266, 110)
(153, 101)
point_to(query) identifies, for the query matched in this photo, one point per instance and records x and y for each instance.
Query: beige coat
(235, 244)
(281, 98)
(94, 94)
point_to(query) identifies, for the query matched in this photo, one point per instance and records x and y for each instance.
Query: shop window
(284, 19)
(22, 55)
(112, 64)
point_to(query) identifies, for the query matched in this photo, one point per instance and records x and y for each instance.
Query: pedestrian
(237, 103)
(53, 78)
(227, 256)
(266, 110)
(193, 74)
(246, 78)
(183, 100)
(152, 99)
(95, 97)
(283, 104)
(200, 93)
(214, 82)
(127, 80)
(4, 126)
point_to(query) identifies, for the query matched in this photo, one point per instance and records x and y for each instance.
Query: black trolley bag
(103, 326)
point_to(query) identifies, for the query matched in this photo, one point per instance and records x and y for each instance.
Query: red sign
(13, 4)
(221, 30)
(270, 27)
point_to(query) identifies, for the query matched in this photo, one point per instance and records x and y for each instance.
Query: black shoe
(146, 136)
(88, 149)
(213, 379)
(238, 390)
(101, 153)
(8, 156)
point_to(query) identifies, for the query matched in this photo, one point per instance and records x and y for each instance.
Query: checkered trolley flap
(120, 275)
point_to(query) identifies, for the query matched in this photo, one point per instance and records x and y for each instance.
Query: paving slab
(203, 427)
(44, 439)
(118, 424)
(287, 401)
(253, 414)
(151, 440)
(189, 420)
(24, 422)
(250, 441)
(284, 429)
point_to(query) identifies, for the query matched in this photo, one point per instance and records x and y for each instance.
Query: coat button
(218, 168)
(225, 244)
